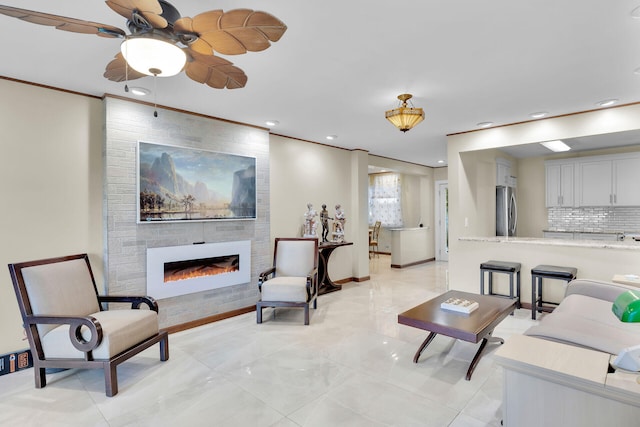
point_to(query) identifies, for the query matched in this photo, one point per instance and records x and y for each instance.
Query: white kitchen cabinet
(626, 181)
(558, 235)
(609, 180)
(607, 237)
(503, 172)
(595, 179)
(559, 184)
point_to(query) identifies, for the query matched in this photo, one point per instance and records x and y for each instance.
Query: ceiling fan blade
(116, 70)
(149, 9)
(214, 71)
(234, 32)
(63, 23)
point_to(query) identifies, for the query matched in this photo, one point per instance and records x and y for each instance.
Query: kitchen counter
(409, 246)
(594, 259)
(597, 244)
(586, 231)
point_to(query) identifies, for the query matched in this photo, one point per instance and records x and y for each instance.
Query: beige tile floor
(352, 366)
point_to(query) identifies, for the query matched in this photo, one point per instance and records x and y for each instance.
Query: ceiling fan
(193, 41)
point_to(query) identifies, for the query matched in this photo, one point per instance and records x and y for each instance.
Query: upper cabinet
(609, 180)
(627, 181)
(503, 173)
(595, 179)
(559, 183)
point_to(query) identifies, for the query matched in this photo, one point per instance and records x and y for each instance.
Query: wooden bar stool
(505, 267)
(540, 272)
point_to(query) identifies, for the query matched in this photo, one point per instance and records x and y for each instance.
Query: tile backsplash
(595, 219)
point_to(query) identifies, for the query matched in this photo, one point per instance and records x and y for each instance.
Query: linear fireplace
(180, 270)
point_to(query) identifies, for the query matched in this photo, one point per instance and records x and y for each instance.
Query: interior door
(442, 221)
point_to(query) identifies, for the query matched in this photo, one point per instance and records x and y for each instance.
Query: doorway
(442, 220)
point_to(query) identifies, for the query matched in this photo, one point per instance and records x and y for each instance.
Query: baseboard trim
(412, 263)
(210, 319)
(221, 316)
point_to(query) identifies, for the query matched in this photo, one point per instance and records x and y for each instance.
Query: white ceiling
(341, 64)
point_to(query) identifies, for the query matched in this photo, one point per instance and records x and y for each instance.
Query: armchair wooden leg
(259, 313)
(306, 314)
(110, 379)
(41, 379)
(164, 349)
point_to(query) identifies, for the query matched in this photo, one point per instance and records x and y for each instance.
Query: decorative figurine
(338, 225)
(324, 219)
(310, 224)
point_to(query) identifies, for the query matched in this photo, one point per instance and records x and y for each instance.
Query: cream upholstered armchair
(67, 325)
(293, 279)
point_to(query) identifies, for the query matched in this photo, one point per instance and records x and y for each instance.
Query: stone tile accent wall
(126, 241)
(595, 219)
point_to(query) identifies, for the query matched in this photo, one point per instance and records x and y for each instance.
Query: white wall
(304, 172)
(50, 186)
(127, 242)
(471, 182)
(418, 198)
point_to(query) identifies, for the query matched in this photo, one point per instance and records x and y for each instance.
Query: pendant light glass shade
(403, 117)
(153, 57)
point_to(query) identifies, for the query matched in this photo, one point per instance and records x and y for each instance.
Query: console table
(548, 383)
(326, 249)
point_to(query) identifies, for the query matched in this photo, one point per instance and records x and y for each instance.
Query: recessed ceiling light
(272, 123)
(332, 137)
(538, 115)
(635, 13)
(139, 91)
(606, 102)
(440, 161)
(556, 145)
(484, 124)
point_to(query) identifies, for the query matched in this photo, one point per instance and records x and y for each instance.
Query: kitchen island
(409, 246)
(594, 259)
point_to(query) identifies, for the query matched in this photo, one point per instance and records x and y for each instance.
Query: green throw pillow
(627, 306)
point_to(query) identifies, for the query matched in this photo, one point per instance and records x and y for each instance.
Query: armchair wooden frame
(311, 283)
(31, 321)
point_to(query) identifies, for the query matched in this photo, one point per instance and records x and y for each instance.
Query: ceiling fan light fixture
(403, 117)
(153, 56)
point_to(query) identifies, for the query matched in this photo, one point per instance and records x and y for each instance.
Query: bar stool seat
(506, 267)
(540, 272)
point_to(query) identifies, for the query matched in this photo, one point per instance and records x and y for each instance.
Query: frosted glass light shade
(151, 56)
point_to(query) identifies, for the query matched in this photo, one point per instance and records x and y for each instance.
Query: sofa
(584, 318)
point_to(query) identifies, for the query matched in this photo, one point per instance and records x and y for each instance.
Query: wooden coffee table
(473, 327)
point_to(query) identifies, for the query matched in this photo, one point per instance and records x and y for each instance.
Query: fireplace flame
(186, 275)
(192, 269)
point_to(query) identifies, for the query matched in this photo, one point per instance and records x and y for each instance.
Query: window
(385, 201)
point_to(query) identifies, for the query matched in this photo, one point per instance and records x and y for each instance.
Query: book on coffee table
(459, 305)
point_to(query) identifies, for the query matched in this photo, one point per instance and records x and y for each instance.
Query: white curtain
(385, 200)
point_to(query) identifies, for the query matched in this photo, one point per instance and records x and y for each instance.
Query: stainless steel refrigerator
(506, 211)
